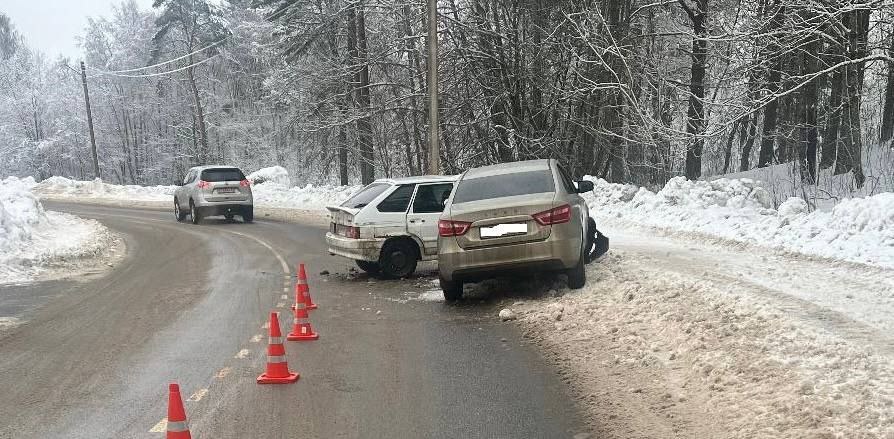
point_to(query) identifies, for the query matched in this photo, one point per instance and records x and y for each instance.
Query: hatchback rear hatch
(343, 215)
(501, 209)
(224, 184)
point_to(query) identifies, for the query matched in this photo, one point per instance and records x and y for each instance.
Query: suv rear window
(504, 185)
(222, 174)
(365, 196)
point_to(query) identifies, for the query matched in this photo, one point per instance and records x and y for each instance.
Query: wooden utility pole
(434, 156)
(96, 173)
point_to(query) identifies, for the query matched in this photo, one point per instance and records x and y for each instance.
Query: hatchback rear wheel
(369, 267)
(398, 259)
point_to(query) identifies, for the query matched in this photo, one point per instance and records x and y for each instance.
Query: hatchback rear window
(222, 174)
(365, 196)
(504, 185)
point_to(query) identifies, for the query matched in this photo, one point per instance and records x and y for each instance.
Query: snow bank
(856, 230)
(273, 174)
(269, 191)
(31, 238)
(309, 197)
(66, 188)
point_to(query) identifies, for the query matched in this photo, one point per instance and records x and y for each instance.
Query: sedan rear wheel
(577, 276)
(453, 290)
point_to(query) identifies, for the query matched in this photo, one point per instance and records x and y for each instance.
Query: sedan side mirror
(584, 186)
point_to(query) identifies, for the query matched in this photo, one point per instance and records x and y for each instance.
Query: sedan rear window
(365, 196)
(222, 174)
(504, 185)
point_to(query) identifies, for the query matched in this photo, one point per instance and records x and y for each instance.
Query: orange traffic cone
(277, 366)
(302, 285)
(301, 329)
(178, 428)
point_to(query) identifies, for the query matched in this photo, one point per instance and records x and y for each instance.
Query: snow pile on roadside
(269, 193)
(273, 174)
(309, 197)
(655, 350)
(855, 230)
(65, 188)
(32, 239)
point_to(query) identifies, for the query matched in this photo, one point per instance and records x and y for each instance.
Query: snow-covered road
(679, 338)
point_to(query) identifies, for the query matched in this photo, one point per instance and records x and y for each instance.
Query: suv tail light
(202, 184)
(245, 183)
(447, 228)
(558, 215)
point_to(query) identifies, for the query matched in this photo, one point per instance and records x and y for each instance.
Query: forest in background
(633, 91)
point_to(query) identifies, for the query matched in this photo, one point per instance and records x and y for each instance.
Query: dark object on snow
(597, 243)
(324, 273)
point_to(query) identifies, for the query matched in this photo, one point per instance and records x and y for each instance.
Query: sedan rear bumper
(356, 249)
(458, 264)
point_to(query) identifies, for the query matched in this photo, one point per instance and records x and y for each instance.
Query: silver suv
(515, 218)
(214, 190)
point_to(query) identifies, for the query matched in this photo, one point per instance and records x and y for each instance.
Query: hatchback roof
(419, 179)
(509, 168)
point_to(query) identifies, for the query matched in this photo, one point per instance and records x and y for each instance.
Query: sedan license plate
(501, 230)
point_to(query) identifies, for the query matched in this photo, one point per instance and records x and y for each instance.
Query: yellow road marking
(266, 325)
(285, 297)
(257, 338)
(242, 354)
(281, 305)
(222, 373)
(161, 427)
(198, 395)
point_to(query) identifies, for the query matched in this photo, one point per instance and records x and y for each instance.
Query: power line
(110, 72)
(149, 75)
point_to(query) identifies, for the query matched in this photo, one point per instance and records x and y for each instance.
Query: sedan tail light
(447, 228)
(558, 215)
(202, 184)
(245, 183)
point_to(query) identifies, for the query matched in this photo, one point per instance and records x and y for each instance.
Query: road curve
(188, 303)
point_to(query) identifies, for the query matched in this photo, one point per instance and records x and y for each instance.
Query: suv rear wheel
(398, 258)
(179, 214)
(248, 214)
(194, 213)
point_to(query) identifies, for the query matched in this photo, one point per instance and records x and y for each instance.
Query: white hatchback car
(391, 224)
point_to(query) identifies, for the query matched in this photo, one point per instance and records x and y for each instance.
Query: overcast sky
(52, 25)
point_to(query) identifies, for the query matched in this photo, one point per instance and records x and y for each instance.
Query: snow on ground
(676, 338)
(32, 239)
(271, 190)
(856, 230)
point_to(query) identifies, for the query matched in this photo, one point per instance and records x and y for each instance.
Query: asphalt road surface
(188, 304)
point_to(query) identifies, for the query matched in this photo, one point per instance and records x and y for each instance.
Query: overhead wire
(149, 75)
(117, 72)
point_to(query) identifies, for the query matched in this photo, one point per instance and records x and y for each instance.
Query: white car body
(361, 230)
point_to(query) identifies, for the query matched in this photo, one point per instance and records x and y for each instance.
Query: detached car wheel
(453, 290)
(398, 259)
(369, 267)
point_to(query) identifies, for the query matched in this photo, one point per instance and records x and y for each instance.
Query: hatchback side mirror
(584, 186)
